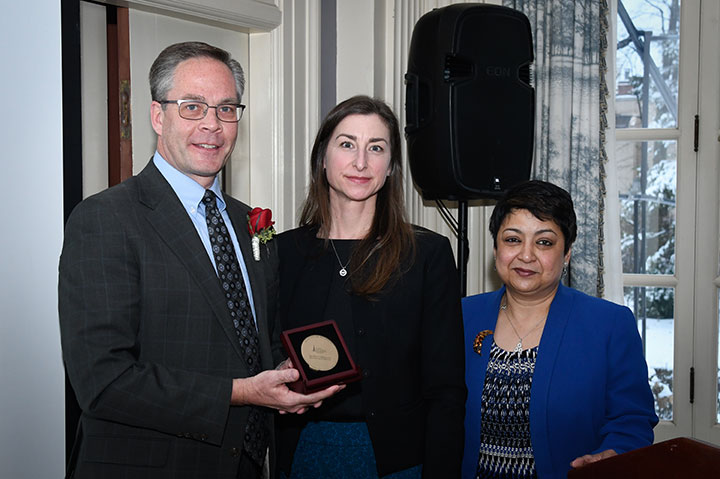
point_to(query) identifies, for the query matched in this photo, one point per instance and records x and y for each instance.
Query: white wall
(355, 47)
(32, 435)
(94, 98)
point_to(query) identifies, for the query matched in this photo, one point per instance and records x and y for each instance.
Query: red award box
(319, 352)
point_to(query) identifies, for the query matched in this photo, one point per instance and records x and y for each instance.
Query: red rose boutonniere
(260, 227)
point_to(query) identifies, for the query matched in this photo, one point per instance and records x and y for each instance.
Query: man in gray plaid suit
(161, 373)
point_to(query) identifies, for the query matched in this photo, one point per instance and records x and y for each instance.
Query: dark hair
(391, 237)
(546, 201)
(162, 71)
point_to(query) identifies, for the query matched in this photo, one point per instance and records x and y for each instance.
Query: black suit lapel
(170, 220)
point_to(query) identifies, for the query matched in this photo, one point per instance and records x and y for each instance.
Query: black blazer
(409, 345)
(147, 340)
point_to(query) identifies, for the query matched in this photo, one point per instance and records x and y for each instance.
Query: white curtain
(612, 253)
(569, 79)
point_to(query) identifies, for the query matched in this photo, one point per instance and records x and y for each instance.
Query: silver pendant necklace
(343, 268)
(518, 346)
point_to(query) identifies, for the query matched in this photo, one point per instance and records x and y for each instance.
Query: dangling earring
(494, 263)
(565, 268)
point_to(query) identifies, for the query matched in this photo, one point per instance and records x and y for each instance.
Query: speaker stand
(462, 249)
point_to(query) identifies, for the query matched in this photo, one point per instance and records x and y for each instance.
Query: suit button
(366, 373)
(235, 452)
(372, 414)
(360, 332)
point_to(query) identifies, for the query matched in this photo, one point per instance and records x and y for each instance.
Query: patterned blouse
(505, 448)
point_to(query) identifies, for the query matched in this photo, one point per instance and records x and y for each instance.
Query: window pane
(654, 311)
(647, 79)
(646, 181)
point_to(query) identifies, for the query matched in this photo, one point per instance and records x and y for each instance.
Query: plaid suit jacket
(147, 339)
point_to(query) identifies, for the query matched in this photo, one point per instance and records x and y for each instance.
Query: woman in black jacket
(392, 289)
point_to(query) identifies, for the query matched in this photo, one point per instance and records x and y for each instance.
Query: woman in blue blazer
(556, 378)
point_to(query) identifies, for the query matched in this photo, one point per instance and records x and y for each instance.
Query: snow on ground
(659, 342)
(659, 349)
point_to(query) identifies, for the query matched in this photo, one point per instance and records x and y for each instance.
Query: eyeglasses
(196, 110)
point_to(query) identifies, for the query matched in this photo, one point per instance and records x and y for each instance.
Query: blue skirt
(339, 450)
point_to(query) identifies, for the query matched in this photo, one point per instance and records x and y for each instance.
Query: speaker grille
(457, 69)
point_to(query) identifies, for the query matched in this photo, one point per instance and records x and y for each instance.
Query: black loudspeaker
(470, 107)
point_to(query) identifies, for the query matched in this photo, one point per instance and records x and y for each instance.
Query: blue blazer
(590, 387)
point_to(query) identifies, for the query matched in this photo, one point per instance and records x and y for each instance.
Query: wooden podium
(681, 458)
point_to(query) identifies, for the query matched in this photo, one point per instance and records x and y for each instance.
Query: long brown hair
(390, 241)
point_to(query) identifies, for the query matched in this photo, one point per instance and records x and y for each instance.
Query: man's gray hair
(162, 71)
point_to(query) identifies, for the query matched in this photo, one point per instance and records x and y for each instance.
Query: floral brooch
(477, 344)
(260, 227)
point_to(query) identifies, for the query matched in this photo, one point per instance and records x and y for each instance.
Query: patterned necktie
(231, 280)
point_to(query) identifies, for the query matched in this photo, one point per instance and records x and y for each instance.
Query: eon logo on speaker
(493, 71)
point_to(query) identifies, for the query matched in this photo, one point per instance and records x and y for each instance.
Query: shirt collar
(187, 190)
